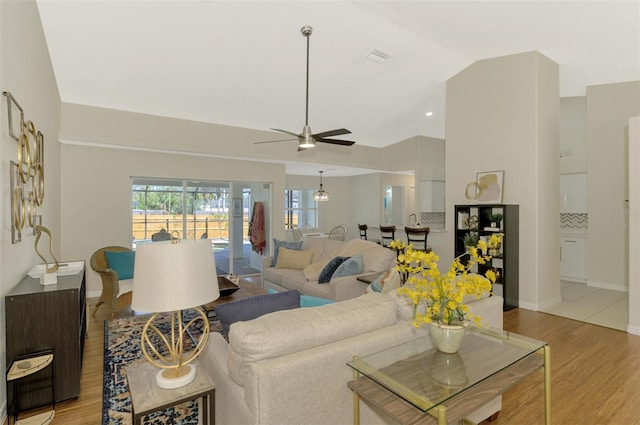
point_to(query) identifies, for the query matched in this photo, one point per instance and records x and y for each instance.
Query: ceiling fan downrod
(306, 31)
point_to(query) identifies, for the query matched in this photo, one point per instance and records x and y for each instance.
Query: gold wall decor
(27, 173)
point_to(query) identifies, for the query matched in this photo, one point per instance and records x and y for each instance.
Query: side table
(147, 397)
(27, 365)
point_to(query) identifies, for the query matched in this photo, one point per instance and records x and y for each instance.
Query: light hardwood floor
(595, 375)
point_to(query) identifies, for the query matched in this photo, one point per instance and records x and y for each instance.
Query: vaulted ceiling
(242, 63)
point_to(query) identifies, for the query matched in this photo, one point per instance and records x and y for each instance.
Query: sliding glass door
(214, 210)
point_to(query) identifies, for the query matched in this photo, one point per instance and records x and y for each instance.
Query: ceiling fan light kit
(307, 139)
(321, 195)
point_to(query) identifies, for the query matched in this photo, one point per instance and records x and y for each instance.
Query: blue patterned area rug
(121, 349)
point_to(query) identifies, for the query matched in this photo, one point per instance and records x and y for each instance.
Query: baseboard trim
(548, 304)
(635, 330)
(610, 286)
(528, 306)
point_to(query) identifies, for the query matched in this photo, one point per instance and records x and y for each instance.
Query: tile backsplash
(435, 220)
(574, 220)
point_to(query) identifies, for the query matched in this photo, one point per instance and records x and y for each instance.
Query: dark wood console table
(40, 317)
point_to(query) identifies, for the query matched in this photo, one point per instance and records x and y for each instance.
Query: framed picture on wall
(237, 207)
(489, 187)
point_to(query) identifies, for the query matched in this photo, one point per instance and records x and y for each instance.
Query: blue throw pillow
(350, 267)
(289, 245)
(330, 268)
(122, 262)
(307, 300)
(254, 307)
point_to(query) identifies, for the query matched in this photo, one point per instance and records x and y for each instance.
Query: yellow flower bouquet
(442, 295)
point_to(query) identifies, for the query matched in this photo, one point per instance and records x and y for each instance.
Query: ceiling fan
(307, 139)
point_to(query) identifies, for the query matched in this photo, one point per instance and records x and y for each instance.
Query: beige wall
(609, 107)
(89, 124)
(332, 213)
(354, 200)
(27, 73)
(634, 225)
(96, 201)
(502, 115)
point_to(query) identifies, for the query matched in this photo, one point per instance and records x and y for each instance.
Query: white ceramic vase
(446, 338)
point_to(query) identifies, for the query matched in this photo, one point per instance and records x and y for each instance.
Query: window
(300, 210)
(193, 209)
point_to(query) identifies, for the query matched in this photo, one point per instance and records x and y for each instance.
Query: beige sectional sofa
(289, 367)
(376, 259)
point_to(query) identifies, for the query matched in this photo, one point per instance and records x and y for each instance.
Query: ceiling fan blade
(287, 132)
(274, 141)
(336, 132)
(336, 141)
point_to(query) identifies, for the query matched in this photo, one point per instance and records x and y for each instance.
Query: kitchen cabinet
(572, 258)
(573, 193)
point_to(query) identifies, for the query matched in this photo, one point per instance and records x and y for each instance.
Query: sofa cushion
(293, 259)
(347, 249)
(350, 267)
(331, 248)
(295, 280)
(330, 268)
(122, 262)
(316, 245)
(256, 306)
(289, 245)
(284, 332)
(378, 259)
(274, 275)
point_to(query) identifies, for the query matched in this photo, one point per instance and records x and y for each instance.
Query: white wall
(27, 73)
(502, 114)
(609, 107)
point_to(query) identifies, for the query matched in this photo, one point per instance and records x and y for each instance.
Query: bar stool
(388, 235)
(21, 367)
(363, 233)
(417, 237)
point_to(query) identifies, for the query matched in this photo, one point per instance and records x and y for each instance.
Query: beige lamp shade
(170, 276)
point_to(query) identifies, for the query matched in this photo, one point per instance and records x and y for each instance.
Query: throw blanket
(350, 248)
(256, 228)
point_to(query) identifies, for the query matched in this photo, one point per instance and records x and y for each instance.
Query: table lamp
(172, 276)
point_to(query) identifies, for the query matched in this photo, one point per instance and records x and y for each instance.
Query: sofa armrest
(347, 287)
(266, 262)
(490, 309)
(230, 397)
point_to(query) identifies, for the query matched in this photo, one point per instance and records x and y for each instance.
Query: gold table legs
(547, 385)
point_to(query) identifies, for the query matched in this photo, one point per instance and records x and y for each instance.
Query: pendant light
(321, 195)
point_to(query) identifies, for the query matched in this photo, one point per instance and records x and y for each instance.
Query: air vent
(377, 56)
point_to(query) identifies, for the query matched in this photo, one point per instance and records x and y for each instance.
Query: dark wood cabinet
(40, 317)
(477, 220)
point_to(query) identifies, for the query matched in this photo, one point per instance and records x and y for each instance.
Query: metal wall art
(27, 173)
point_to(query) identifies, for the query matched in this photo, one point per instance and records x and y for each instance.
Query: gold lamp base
(175, 378)
(175, 370)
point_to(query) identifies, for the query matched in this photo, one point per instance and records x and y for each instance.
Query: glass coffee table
(415, 383)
